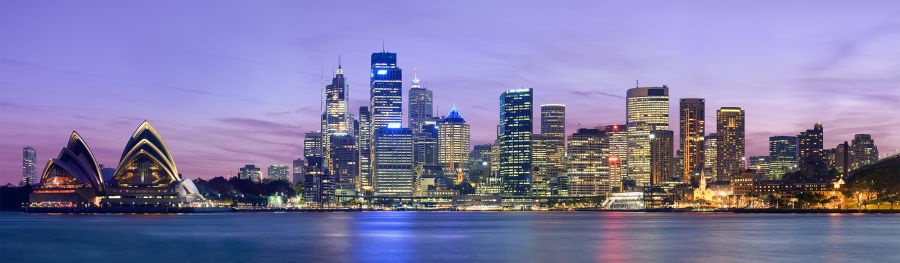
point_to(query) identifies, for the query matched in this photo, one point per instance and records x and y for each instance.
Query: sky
(229, 83)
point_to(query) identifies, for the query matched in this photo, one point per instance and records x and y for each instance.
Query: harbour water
(450, 237)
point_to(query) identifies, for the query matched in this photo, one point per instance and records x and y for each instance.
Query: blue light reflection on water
(449, 237)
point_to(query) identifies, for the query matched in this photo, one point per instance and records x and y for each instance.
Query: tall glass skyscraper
(420, 105)
(586, 167)
(516, 121)
(730, 145)
(692, 126)
(647, 110)
(312, 145)
(29, 166)
(810, 151)
(386, 88)
(661, 148)
(709, 157)
(336, 118)
(364, 140)
(618, 155)
(782, 156)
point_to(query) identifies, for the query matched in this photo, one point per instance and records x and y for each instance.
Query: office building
(297, 167)
(386, 89)
(29, 166)
(618, 155)
(810, 152)
(336, 115)
(250, 172)
(862, 151)
(692, 129)
(782, 156)
(710, 172)
(516, 120)
(662, 143)
(420, 105)
(479, 163)
(364, 142)
(760, 166)
(647, 110)
(730, 142)
(453, 145)
(393, 171)
(312, 145)
(344, 166)
(586, 163)
(553, 132)
(278, 172)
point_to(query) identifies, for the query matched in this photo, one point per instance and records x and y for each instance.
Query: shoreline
(163, 210)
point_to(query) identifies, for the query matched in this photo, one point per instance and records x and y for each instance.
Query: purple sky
(229, 83)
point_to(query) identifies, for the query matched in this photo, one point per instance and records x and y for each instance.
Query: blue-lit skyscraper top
(386, 89)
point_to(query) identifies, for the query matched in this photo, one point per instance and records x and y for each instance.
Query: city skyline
(260, 117)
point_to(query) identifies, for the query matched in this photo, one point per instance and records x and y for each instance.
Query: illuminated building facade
(420, 105)
(862, 151)
(838, 159)
(425, 146)
(147, 174)
(730, 142)
(516, 121)
(553, 133)
(250, 172)
(540, 178)
(393, 163)
(647, 110)
(618, 155)
(661, 150)
(29, 166)
(72, 178)
(312, 145)
(692, 123)
(336, 118)
(760, 166)
(586, 167)
(782, 156)
(278, 172)
(318, 187)
(479, 163)
(386, 89)
(364, 143)
(710, 172)
(453, 145)
(344, 163)
(297, 167)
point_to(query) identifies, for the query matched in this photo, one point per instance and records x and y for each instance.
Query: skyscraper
(480, 164)
(692, 123)
(839, 159)
(364, 141)
(516, 120)
(553, 133)
(730, 145)
(425, 146)
(392, 166)
(662, 143)
(344, 157)
(453, 145)
(386, 89)
(618, 155)
(586, 167)
(335, 116)
(29, 166)
(811, 155)
(317, 183)
(297, 171)
(647, 110)
(862, 151)
(420, 105)
(277, 172)
(760, 166)
(782, 156)
(710, 170)
(540, 178)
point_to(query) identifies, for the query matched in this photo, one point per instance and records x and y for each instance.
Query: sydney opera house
(146, 176)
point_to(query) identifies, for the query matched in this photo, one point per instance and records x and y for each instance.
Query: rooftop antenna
(636, 84)
(382, 45)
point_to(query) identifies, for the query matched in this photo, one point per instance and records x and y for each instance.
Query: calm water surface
(450, 236)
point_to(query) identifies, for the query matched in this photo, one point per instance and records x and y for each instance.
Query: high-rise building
(516, 120)
(420, 105)
(425, 146)
(344, 156)
(710, 172)
(553, 132)
(480, 164)
(364, 141)
(453, 145)
(662, 143)
(730, 145)
(29, 166)
(336, 115)
(618, 155)
(297, 171)
(317, 183)
(250, 172)
(692, 129)
(312, 145)
(811, 155)
(862, 151)
(540, 177)
(393, 163)
(782, 156)
(278, 172)
(647, 110)
(586, 167)
(386, 87)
